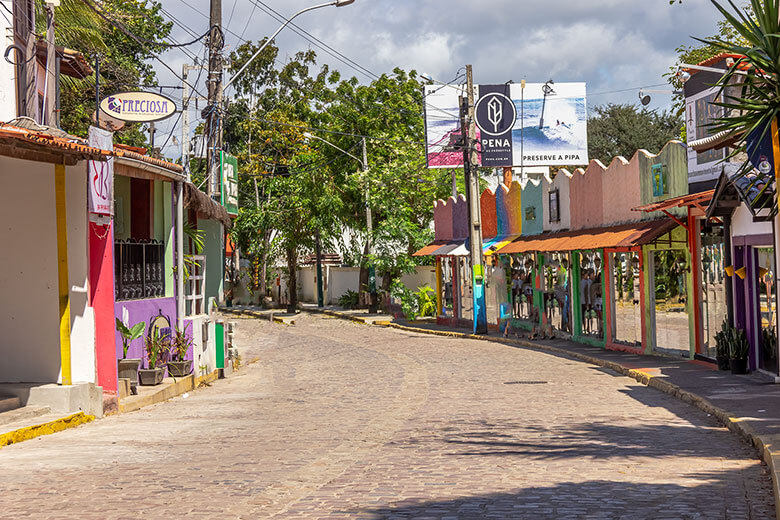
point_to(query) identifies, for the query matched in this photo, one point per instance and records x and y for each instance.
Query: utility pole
(372, 303)
(214, 108)
(185, 120)
(470, 158)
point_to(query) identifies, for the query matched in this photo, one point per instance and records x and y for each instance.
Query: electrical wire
(119, 25)
(316, 41)
(336, 132)
(140, 42)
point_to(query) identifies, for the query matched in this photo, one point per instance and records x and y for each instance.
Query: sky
(615, 46)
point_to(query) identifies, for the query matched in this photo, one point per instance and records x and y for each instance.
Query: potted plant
(128, 368)
(739, 351)
(156, 347)
(178, 366)
(722, 347)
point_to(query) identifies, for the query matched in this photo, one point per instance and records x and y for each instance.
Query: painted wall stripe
(62, 271)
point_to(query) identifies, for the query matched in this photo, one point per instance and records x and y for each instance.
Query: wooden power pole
(214, 107)
(470, 168)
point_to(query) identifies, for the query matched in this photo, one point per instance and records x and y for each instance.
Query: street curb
(182, 385)
(768, 446)
(37, 430)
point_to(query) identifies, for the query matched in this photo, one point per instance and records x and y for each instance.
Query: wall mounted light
(729, 270)
(741, 272)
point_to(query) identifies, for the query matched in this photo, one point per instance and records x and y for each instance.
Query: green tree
(616, 129)
(123, 61)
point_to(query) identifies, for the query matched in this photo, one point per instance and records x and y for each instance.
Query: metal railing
(139, 269)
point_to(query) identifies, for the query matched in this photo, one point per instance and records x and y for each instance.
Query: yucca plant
(751, 87)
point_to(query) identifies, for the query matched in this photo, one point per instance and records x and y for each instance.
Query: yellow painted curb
(31, 432)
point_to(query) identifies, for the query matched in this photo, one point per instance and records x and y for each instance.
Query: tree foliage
(616, 129)
(123, 61)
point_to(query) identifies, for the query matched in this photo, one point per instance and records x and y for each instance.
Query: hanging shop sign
(228, 166)
(138, 106)
(101, 174)
(541, 124)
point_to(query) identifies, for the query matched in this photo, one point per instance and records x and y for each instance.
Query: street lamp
(337, 3)
(372, 307)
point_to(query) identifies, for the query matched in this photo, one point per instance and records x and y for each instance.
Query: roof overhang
(613, 237)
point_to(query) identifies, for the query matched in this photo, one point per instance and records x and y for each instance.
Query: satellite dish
(644, 98)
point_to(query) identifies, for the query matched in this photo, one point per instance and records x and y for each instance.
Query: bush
(413, 304)
(349, 300)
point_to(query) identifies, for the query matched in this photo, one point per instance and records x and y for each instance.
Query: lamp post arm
(269, 40)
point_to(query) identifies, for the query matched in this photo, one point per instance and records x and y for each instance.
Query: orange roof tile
(626, 235)
(32, 141)
(693, 199)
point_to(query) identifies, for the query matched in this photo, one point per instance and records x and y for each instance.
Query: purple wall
(142, 310)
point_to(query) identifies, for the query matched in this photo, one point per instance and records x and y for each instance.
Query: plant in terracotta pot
(739, 351)
(722, 346)
(179, 366)
(128, 368)
(156, 348)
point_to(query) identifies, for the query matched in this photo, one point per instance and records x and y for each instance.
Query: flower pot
(723, 362)
(128, 369)
(150, 376)
(179, 368)
(739, 366)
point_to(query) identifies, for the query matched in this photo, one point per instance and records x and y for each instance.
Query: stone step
(23, 414)
(9, 402)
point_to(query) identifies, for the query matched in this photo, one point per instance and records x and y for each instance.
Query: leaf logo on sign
(495, 112)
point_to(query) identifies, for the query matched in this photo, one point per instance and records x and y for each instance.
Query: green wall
(214, 250)
(674, 157)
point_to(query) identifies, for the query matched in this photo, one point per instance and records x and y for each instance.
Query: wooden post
(62, 271)
(694, 286)
(439, 305)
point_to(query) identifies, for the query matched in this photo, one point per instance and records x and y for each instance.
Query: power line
(139, 41)
(316, 41)
(336, 132)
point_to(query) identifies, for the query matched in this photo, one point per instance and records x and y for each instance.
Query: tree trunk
(292, 279)
(363, 289)
(264, 267)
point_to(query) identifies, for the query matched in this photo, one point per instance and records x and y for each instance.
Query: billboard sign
(228, 167)
(515, 126)
(495, 114)
(138, 106)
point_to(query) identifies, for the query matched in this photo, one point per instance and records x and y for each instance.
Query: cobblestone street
(341, 420)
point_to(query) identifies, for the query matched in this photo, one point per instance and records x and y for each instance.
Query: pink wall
(460, 214)
(621, 191)
(585, 195)
(442, 218)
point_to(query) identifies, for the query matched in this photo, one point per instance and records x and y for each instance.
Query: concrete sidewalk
(748, 405)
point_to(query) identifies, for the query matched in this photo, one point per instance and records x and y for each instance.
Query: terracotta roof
(626, 235)
(32, 145)
(25, 143)
(719, 140)
(178, 168)
(72, 62)
(430, 248)
(693, 199)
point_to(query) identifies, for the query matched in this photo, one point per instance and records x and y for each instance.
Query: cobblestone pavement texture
(341, 420)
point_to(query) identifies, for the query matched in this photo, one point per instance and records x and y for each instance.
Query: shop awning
(444, 248)
(490, 246)
(626, 235)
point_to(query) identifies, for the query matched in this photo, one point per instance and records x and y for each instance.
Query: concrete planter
(150, 376)
(739, 366)
(179, 368)
(128, 369)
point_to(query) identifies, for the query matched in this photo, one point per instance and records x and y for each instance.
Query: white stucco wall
(561, 182)
(423, 275)
(742, 223)
(341, 280)
(29, 310)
